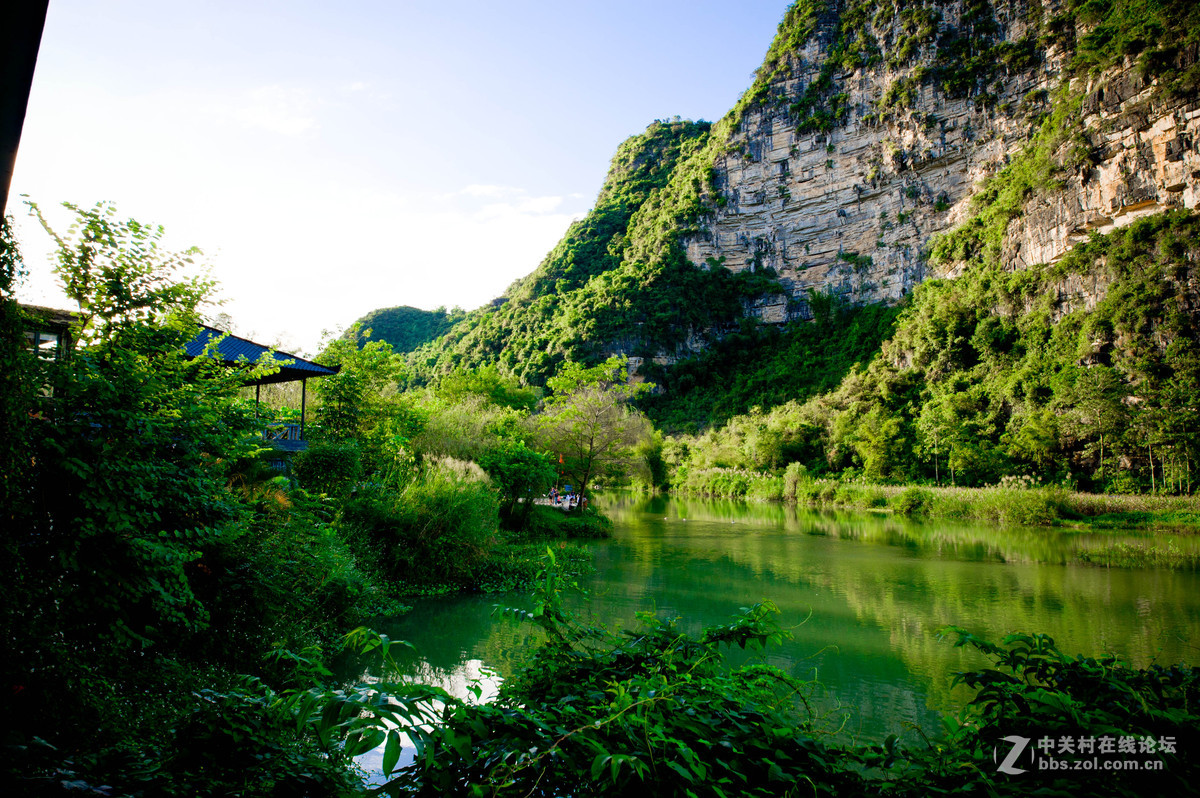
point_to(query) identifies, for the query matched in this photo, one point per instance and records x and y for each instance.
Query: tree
(488, 382)
(124, 484)
(521, 474)
(588, 424)
(119, 274)
(352, 402)
(1093, 414)
(149, 556)
(16, 382)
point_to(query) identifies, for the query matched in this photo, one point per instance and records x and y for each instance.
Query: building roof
(51, 317)
(234, 351)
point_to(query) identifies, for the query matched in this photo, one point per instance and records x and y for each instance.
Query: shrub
(515, 566)
(913, 502)
(766, 489)
(433, 531)
(329, 468)
(1123, 483)
(549, 523)
(1037, 692)
(795, 478)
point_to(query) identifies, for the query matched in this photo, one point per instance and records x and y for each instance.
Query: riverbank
(599, 706)
(1016, 502)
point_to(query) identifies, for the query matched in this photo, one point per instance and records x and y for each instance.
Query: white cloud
(278, 109)
(508, 201)
(482, 190)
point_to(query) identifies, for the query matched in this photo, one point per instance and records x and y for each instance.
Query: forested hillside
(404, 327)
(596, 288)
(1000, 374)
(755, 261)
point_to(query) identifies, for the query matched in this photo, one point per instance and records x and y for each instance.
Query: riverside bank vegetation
(175, 608)
(166, 585)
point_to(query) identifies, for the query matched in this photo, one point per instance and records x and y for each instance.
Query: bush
(795, 477)
(433, 531)
(1037, 692)
(514, 566)
(1123, 483)
(329, 468)
(549, 523)
(913, 502)
(766, 489)
(244, 741)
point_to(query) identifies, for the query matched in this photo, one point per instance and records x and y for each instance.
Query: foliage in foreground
(648, 711)
(154, 565)
(654, 710)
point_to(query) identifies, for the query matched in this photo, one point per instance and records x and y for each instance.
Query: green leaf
(391, 752)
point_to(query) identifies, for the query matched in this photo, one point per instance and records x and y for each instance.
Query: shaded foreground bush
(435, 530)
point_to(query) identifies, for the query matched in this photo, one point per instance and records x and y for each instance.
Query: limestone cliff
(882, 143)
(923, 104)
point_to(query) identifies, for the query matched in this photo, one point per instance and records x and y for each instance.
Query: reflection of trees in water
(462, 681)
(964, 540)
(992, 580)
(872, 609)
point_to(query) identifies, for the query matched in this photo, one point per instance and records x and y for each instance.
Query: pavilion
(238, 352)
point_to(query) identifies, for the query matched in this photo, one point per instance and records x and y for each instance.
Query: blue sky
(335, 158)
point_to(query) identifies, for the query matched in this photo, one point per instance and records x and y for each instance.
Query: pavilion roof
(234, 350)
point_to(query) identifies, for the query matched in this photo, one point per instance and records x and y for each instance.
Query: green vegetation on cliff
(404, 327)
(586, 295)
(763, 366)
(999, 374)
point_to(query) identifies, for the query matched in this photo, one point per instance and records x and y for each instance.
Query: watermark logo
(1018, 746)
(1082, 752)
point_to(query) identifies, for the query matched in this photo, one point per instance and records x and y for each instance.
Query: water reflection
(863, 595)
(469, 680)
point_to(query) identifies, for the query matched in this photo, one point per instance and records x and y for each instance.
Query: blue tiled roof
(234, 350)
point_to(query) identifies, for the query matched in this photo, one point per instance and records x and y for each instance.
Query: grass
(551, 523)
(1033, 506)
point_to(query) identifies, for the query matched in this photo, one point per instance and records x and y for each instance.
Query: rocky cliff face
(883, 142)
(850, 208)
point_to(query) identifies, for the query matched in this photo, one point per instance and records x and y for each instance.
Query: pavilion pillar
(303, 396)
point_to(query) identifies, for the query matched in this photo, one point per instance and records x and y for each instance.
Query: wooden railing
(286, 436)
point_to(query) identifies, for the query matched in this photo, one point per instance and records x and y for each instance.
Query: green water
(863, 595)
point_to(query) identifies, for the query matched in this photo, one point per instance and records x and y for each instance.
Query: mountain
(881, 144)
(404, 327)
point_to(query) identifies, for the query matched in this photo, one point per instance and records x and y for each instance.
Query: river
(863, 595)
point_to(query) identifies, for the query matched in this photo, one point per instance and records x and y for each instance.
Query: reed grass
(1012, 503)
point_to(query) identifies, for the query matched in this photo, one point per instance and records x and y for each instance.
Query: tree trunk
(936, 477)
(1150, 454)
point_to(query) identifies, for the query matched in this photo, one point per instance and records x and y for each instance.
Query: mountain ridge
(880, 144)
